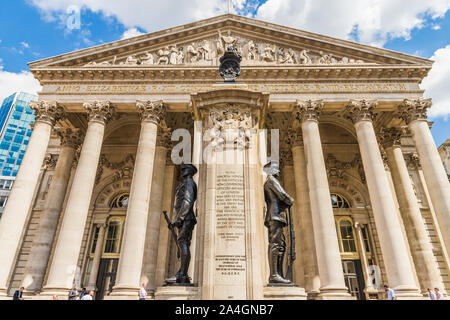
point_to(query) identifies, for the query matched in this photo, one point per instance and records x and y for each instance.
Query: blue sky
(35, 29)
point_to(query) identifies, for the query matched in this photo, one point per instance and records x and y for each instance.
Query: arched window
(339, 202)
(112, 241)
(347, 236)
(120, 201)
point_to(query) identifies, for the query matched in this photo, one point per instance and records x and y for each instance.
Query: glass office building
(16, 118)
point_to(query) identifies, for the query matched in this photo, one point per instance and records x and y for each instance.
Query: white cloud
(130, 33)
(148, 15)
(11, 82)
(24, 44)
(437, 83)
(374, 21)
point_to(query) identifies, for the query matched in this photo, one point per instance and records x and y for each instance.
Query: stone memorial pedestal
(177, 292)
(284, 292)
(232, 254)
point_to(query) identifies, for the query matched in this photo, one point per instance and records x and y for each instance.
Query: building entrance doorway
(106, 278)
(354, 278)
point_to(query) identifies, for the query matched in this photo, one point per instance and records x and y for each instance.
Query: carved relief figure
(304, 57)
(325, 58)
(130, 61)
(252, 51)
(269, 54)
(289, 57)
(191, 54)
(173, 55)
(147, 59)
(228, 41)
(204, 52)
(163, 55)
(180, 56)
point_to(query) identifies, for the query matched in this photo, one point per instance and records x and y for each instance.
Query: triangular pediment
(202, 43)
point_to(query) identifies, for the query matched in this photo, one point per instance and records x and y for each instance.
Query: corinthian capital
(152, 111)
(360, 110)
(99, 111)
(308, 110)
(47, 111)
(390, 137)
(411, 110)
(70, 137)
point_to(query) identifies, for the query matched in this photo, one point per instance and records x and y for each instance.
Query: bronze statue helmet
(272, 168)
(190, 168)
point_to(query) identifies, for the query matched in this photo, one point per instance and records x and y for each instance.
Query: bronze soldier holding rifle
(184, 220)
(277, 201)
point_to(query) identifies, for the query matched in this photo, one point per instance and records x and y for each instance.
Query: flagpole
(229, 6)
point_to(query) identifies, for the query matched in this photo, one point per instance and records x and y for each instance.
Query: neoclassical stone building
(372, 198)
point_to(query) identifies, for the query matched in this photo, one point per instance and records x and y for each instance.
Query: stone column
(42, 244)
(326, 241)
(197, 154)
(414, 112)
(288, 175)
(92, 281)
(364, 261)
(133, 243)
(64, 264)
(15, 215)
(306, 232)
(421, 249)
(395, 252)
(156, 204)
(164, 234)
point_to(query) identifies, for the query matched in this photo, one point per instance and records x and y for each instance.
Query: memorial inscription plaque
(230, 243)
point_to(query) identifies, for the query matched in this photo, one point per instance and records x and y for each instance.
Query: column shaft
(327, 248)
(393, 246)
(288, 175)
(42, 244)
(15, 215)
(421, 249)
(306, 233)
(68, 246)
(92, 282)
(435, 176)
(164, 234)
(154, 219)
(133, 243)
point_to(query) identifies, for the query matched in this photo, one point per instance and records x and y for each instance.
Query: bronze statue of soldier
(277, 201)
(184, 220)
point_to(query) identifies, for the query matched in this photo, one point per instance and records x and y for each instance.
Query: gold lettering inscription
(272, 88)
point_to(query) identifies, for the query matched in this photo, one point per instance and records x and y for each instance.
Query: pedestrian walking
(439, 295)
(18, 295)
(142, 292)
(73, 293)
(431, 294)
(83, 293)
(390, 293)
(89, 296)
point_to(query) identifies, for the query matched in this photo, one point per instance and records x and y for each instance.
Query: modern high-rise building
(16, 118)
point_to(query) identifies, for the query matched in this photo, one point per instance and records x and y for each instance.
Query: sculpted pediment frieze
(206, 52)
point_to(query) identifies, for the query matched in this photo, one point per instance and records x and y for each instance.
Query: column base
(49, 293)
(123, 293)
(177, 293)
(334, 294)
(284, 293)
(403, 293)
(4, 295)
